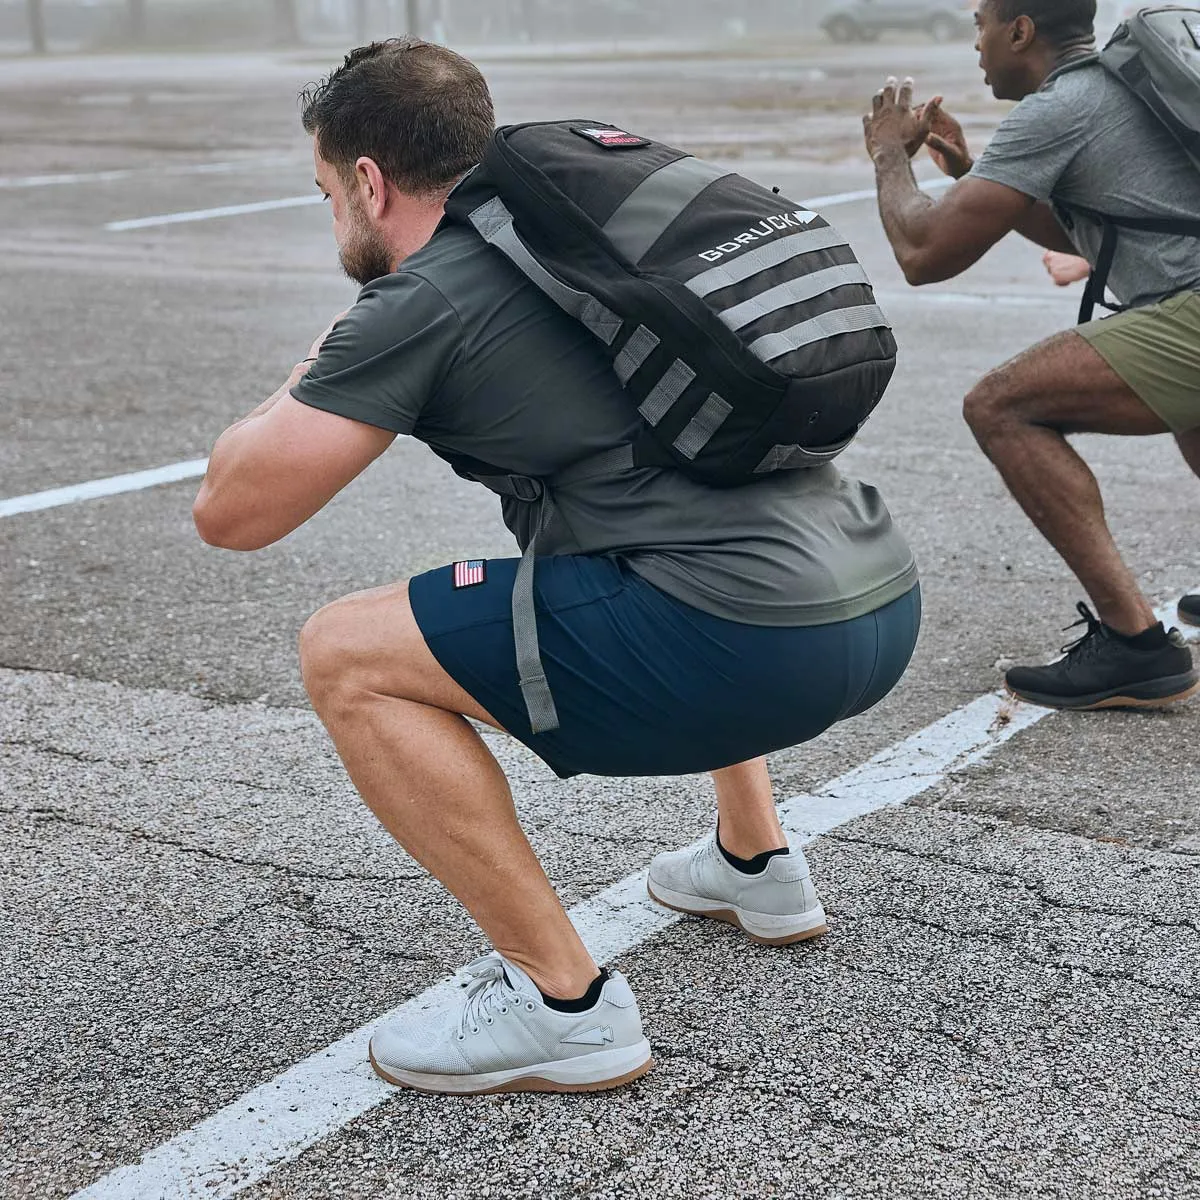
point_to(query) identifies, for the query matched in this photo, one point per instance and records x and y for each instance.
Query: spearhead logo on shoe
(600, 1036)
(766, 228)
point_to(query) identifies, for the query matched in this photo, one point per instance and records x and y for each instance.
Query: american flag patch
(470, 573)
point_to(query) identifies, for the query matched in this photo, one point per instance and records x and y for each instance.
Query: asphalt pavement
(192, 897)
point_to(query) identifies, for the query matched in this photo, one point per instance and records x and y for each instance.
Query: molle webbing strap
(816, 329)
(772, 255)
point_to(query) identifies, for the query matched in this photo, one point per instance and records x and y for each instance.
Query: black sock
(589, 999)
(749, 866)
(1148, 639)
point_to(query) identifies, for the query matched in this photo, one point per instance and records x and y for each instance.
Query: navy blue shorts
(647, 685)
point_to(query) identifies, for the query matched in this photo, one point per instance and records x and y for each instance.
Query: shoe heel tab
(616, 990)
(789, 868)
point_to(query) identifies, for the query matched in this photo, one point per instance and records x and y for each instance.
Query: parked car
(865, 20)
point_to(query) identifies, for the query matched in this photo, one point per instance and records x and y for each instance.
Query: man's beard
(364, 256)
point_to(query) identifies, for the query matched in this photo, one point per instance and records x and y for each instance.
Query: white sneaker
(777, 906)
(498, 1035)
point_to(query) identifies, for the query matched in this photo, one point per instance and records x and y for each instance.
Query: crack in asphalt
(56, 815)
(80, 757)
(615, 839)
(151, 761)
(204, 698)
(1011, 940)
(1032, 889)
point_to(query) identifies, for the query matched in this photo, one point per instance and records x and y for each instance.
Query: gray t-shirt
(1085, 139)
(459, 350)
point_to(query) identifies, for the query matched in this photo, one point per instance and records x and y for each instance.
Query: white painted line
(1063, 303)
(276, 1121)
(112, 486)
(838, 198)
(17, 182)
(237, 210)
(208, 214)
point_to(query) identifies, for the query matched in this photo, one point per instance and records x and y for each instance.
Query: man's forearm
(298, 373)
(906, 211)
(224, 484)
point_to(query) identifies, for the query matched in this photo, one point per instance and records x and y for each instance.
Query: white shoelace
(488, 991)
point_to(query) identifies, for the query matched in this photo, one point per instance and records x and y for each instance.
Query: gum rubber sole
(1117, 701)
(527, 1083)
(729, 917)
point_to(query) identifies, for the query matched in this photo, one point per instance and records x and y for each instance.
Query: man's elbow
(922, 267)
(223, 529)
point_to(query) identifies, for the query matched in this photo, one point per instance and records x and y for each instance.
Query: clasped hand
(893, 123)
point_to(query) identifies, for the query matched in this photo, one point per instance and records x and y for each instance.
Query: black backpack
(740, 323)
(1156, 55)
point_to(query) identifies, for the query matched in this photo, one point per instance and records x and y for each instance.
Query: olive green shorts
(1156, 350)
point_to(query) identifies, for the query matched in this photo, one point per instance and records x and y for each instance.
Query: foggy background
(99, 25)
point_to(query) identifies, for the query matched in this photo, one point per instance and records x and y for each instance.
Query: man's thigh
(1155, 351)
(1064, 383)
(374, 635)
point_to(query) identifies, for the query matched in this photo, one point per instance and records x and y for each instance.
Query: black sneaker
(1189, 610)
(1105, 670)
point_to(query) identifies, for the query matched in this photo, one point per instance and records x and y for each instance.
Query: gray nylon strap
(795, 291)
(495, 225)
(781, 458)
(539, 704)
(645, 214)
(669, 388)
(830, 324)
(634, 353)
(607, 462)
(698, 432)
(772, 255)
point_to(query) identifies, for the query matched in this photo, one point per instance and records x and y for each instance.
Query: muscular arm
(1041, 227)
(271, 471)
(938, 239)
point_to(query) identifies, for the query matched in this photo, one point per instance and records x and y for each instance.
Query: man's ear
(1022, 34)
(372, 187)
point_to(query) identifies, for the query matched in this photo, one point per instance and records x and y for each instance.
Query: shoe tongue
(518, 980)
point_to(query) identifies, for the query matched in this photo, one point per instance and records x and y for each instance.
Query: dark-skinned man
(1076, 137)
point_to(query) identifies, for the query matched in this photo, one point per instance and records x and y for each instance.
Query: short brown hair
(421, 112)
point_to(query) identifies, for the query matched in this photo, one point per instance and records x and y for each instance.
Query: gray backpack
(1156, 55)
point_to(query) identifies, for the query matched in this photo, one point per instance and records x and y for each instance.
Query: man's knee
(989, 406)
(366, 644)
(332, 650)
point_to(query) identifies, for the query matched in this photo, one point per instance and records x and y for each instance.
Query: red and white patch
(609, 138)
(470, 573)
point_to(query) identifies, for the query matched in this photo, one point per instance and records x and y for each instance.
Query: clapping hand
(893, 122)
(946, 142)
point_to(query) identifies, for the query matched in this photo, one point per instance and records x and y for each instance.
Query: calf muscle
(1020, 415)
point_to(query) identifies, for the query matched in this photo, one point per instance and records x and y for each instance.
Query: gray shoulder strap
(494, 223)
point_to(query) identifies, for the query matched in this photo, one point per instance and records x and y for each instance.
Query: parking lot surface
(194, 900)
